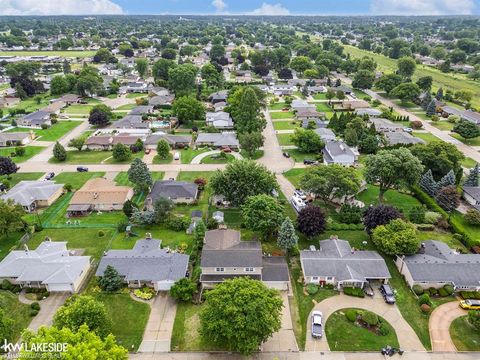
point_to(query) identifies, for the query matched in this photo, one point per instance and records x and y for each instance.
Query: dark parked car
(82, 169)
(50, 176)
(368, 290)
(287, 155)
(387, 293)
(309, 162)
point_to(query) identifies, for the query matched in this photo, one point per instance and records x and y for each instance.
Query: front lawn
(443, 125)
(465, 337)
(135, 95)
(285, 139)
(76, 179)
(14, 179)
(258, 154)
(294, 176)
(299, 156)
(92, 157)
(426, 136)
(15, 310)
(54, 132)
(343, 335)
(158, 160)
(468, 163)
(78, 109)
(282, 115)
(400, 200)
(277, 106)
(192, 175)
(286, 125)
(30, 151)
(83, 238)
(320, 96)
(301, 305)
(471, 142)
(217, 159)
(129, 318)
(186, 155)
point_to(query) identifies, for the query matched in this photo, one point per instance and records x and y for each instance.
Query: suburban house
(449, 110)
(345, 89)
(371, 112)
(50, 266)
(355, 105)
(472, 195)
(383, 125)
(98, 194)
(34, 120)
(141, 109)
(220, 106)
(131, 122)
(161, 100)
(338, 264)
(34, 194)
(226, 256)
(147, 264)
(224, 139)
(436, 265)
(107, 141)
(325, 134)
(401, 138)
(178, 191)
(219, 96)
(471, 116)
(175, 141)
(337, 152)
(220, 120)
(308, 114)
(283, 89)
(16, 138)
(70, 99)
(316, 89)
(298, 105)
(134, 87)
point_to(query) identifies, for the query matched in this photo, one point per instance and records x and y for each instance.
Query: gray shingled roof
(473, 191)
(130, 122)
(438, 263)
(141, 109)
(172, 189)
(145, 262)
(153, 139)
(218, 139)
(337, 258)
(395, 138)
(26, 192)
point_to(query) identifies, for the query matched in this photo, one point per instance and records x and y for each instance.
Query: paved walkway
(284, 339)
(158, 331)
(407, 338)
(439, 325)
(286, 186)
(198, 159)
(48, 308)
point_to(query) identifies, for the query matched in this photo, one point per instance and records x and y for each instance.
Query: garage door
(278, 285)
(60, 287)
(163, 285)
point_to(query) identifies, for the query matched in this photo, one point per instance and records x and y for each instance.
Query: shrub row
(446, 290)
(357, 292)
(470, 294)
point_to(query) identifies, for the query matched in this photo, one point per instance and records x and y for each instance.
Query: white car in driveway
(317, 326)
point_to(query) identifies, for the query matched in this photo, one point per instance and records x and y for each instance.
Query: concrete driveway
(158, 331)
(439, 325)
(407, 338)
(48, 308)
(284, 339)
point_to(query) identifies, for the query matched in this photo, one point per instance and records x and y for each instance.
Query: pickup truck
(317, 329)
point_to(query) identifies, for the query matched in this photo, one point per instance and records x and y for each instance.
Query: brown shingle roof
(101, 191)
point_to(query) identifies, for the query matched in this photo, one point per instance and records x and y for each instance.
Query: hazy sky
(255, 7)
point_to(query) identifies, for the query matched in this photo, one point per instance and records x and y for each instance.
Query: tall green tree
(287, 237)
(141, 65)
(121, 152)
(181, 79)
(241, 179)
(187, 109)
(466, 129)
(406, 67)
(110, 280)
(251, 142)
(140, 176)
(262, 213)
(253, 312)
(307, 140)
(406, 92)
(246, 111)
(392, 168)
(59, 152)
(396, 238)
(163, 149)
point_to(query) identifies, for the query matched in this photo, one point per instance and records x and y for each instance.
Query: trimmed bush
(351, 291)
(33, 312)
(424, 299)
(312, 289)
(370, 318)
(442, 292)
(449, 289)
(101, 233)
(351, 315)
(383, 330)
(35, 306)
(426, 308)
(433, 291)
(417, 289)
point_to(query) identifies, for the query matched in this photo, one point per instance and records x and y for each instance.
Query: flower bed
(144, 293)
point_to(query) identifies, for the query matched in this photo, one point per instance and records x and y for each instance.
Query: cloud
(219, 5)
(422, 7)
(58, 7)
(270, 9)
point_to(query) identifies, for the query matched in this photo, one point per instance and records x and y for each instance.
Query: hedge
(357, 292)
(432, 205)
(470, 294)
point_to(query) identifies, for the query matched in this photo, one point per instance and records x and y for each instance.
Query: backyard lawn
(31, 104)
(285, 139)
(76, 179)
(85, 238)
(465, 337)
(323, 107)
(122, 177)
(192, 175)
(61, 53)
(15, 310)
(340, 333)
(286, 125)
(282, 115)
(400, 200)
(30, 151)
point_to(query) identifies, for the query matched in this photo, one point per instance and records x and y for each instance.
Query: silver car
(317, 327)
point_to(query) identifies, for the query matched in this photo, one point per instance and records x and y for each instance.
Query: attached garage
(275, 272)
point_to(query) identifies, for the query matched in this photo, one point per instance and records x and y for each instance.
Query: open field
(445, 80)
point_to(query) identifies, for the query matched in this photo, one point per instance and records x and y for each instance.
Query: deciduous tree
(262, 213)
(311, 221)
(379, 215)
(396, 238)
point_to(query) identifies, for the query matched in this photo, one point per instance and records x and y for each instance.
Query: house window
(220, 269)
(329, 278)
(249, 269)
(314, 278)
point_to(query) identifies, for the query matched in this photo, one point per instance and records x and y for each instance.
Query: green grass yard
(320, 96)
(30, 151)
(285, 139)
(340, 333)
(76, 179)
(78, 109)
(286, 125)
(464, 336)
(92, 157)
(400, 200)
(158, 160)
(282, 115)
(217, 159)
(54, 132)
(9, 242)
(443, 125)
(186, 155)
(294, 176)
(471, 142)
(122, 177)
(17, 311)
(14, 179)
(468, 163)
(277, 106)
(323, 107)
(427, 137)
(135, 95)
